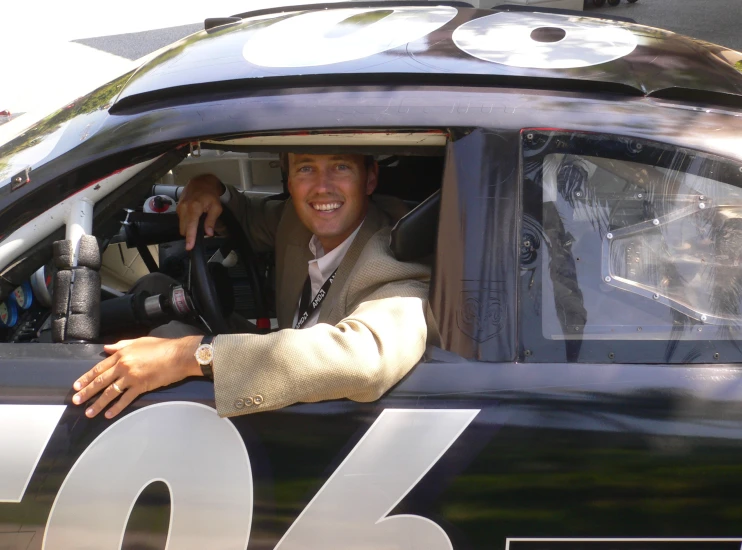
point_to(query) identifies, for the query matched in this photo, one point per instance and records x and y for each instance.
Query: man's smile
(326, 206)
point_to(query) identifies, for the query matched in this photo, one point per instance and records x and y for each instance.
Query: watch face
(204, 354)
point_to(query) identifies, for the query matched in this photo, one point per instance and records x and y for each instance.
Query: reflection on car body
(575, 184)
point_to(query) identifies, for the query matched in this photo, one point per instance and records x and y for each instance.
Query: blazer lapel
(375, 220)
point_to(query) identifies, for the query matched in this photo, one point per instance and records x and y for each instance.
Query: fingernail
(76, 400)
(109, 414)
(77, 386)
(89, 412)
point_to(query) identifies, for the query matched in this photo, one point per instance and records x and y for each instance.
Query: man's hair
(368, 162)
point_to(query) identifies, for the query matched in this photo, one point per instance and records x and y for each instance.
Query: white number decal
(543, 41)
(24, 433)
(203, 461)
(350, 511)
(331, 36)
(200, 457)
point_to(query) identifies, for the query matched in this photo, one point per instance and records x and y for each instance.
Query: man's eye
(343, 167)
(305, 169)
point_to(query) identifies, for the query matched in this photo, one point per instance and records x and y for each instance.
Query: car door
(507, 431)
(170, 473)
(614, 421)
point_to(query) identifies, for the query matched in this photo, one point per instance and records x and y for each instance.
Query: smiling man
(352, 318)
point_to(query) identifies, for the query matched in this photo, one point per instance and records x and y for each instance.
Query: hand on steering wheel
(203, 289)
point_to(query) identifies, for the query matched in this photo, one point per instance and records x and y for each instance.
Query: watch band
(207, 370)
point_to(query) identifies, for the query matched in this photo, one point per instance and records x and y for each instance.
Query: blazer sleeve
(360, 357)
(259, 218)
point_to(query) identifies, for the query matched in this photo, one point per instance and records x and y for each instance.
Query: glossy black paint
(662, 61)
(132, 138)
(557, 450)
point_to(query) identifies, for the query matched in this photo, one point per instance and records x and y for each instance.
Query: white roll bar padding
(79, 220)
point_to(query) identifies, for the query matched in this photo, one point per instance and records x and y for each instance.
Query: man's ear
(372, 178)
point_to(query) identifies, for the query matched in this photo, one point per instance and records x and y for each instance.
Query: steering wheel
(203, 290)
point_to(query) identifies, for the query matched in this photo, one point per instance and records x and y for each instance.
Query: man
(370, 328)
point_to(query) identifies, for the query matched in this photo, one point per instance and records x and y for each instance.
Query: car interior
(136, 233)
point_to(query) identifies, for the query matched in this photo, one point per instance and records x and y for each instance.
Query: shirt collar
(327, 263)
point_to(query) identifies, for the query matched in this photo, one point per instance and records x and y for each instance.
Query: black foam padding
(58, 326)
(76, 305)
(85, 294)
(83, 320)
(144, 229)
(63, 254)
(88, 254)
(82, 327)
(414, 236)
(61, 292)
(60, 301)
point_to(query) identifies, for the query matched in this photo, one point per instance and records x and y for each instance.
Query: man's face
(331, 193)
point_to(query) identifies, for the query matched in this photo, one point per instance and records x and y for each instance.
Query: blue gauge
(8, 314)
(23, 296)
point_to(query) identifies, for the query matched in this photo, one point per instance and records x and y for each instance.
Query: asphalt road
(138, 44)
(717, 21)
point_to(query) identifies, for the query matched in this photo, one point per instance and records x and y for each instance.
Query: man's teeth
(326, 207)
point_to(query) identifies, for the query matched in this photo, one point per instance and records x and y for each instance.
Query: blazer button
(239, 404)
(248, 402)
(258, 400)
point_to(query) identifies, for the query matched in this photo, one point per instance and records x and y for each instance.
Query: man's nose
(324, 180)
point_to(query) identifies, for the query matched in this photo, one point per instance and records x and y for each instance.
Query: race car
(575, 183)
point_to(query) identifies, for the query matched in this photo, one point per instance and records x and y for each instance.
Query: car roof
(438, 44)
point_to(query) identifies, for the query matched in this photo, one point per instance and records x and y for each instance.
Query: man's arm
(379, 334)
(360, 358)
(133, 368)
(258, 217)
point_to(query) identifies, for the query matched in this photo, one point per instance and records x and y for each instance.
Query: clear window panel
(631, 241)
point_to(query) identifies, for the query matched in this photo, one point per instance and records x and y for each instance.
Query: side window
(631, 251)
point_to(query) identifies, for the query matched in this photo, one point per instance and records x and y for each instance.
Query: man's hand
(135, 367)
(200, 196)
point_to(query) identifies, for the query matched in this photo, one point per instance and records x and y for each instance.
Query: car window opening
(144, 236)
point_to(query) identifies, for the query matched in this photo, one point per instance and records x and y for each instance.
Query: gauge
(23, 296)
(8, 314)
(159, 204)
(41, 281)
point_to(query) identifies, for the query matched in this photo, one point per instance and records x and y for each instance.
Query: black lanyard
(306, 308)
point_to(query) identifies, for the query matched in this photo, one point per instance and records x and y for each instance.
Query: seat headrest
(414, 236)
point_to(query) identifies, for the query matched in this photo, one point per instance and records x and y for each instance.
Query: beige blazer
(372, 325)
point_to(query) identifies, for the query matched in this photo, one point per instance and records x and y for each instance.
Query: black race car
(576, 183)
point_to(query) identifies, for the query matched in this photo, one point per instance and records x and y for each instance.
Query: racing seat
(414, 236)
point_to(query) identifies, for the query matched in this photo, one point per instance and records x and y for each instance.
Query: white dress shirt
(320, 268)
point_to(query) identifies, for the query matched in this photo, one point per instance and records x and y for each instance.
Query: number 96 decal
(544, 41)
(202, 460)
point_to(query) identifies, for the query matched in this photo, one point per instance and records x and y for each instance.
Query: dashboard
(25, 316)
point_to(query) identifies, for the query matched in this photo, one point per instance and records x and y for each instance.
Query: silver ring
(116, 388)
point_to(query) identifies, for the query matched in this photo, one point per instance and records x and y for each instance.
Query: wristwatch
(205, 357)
